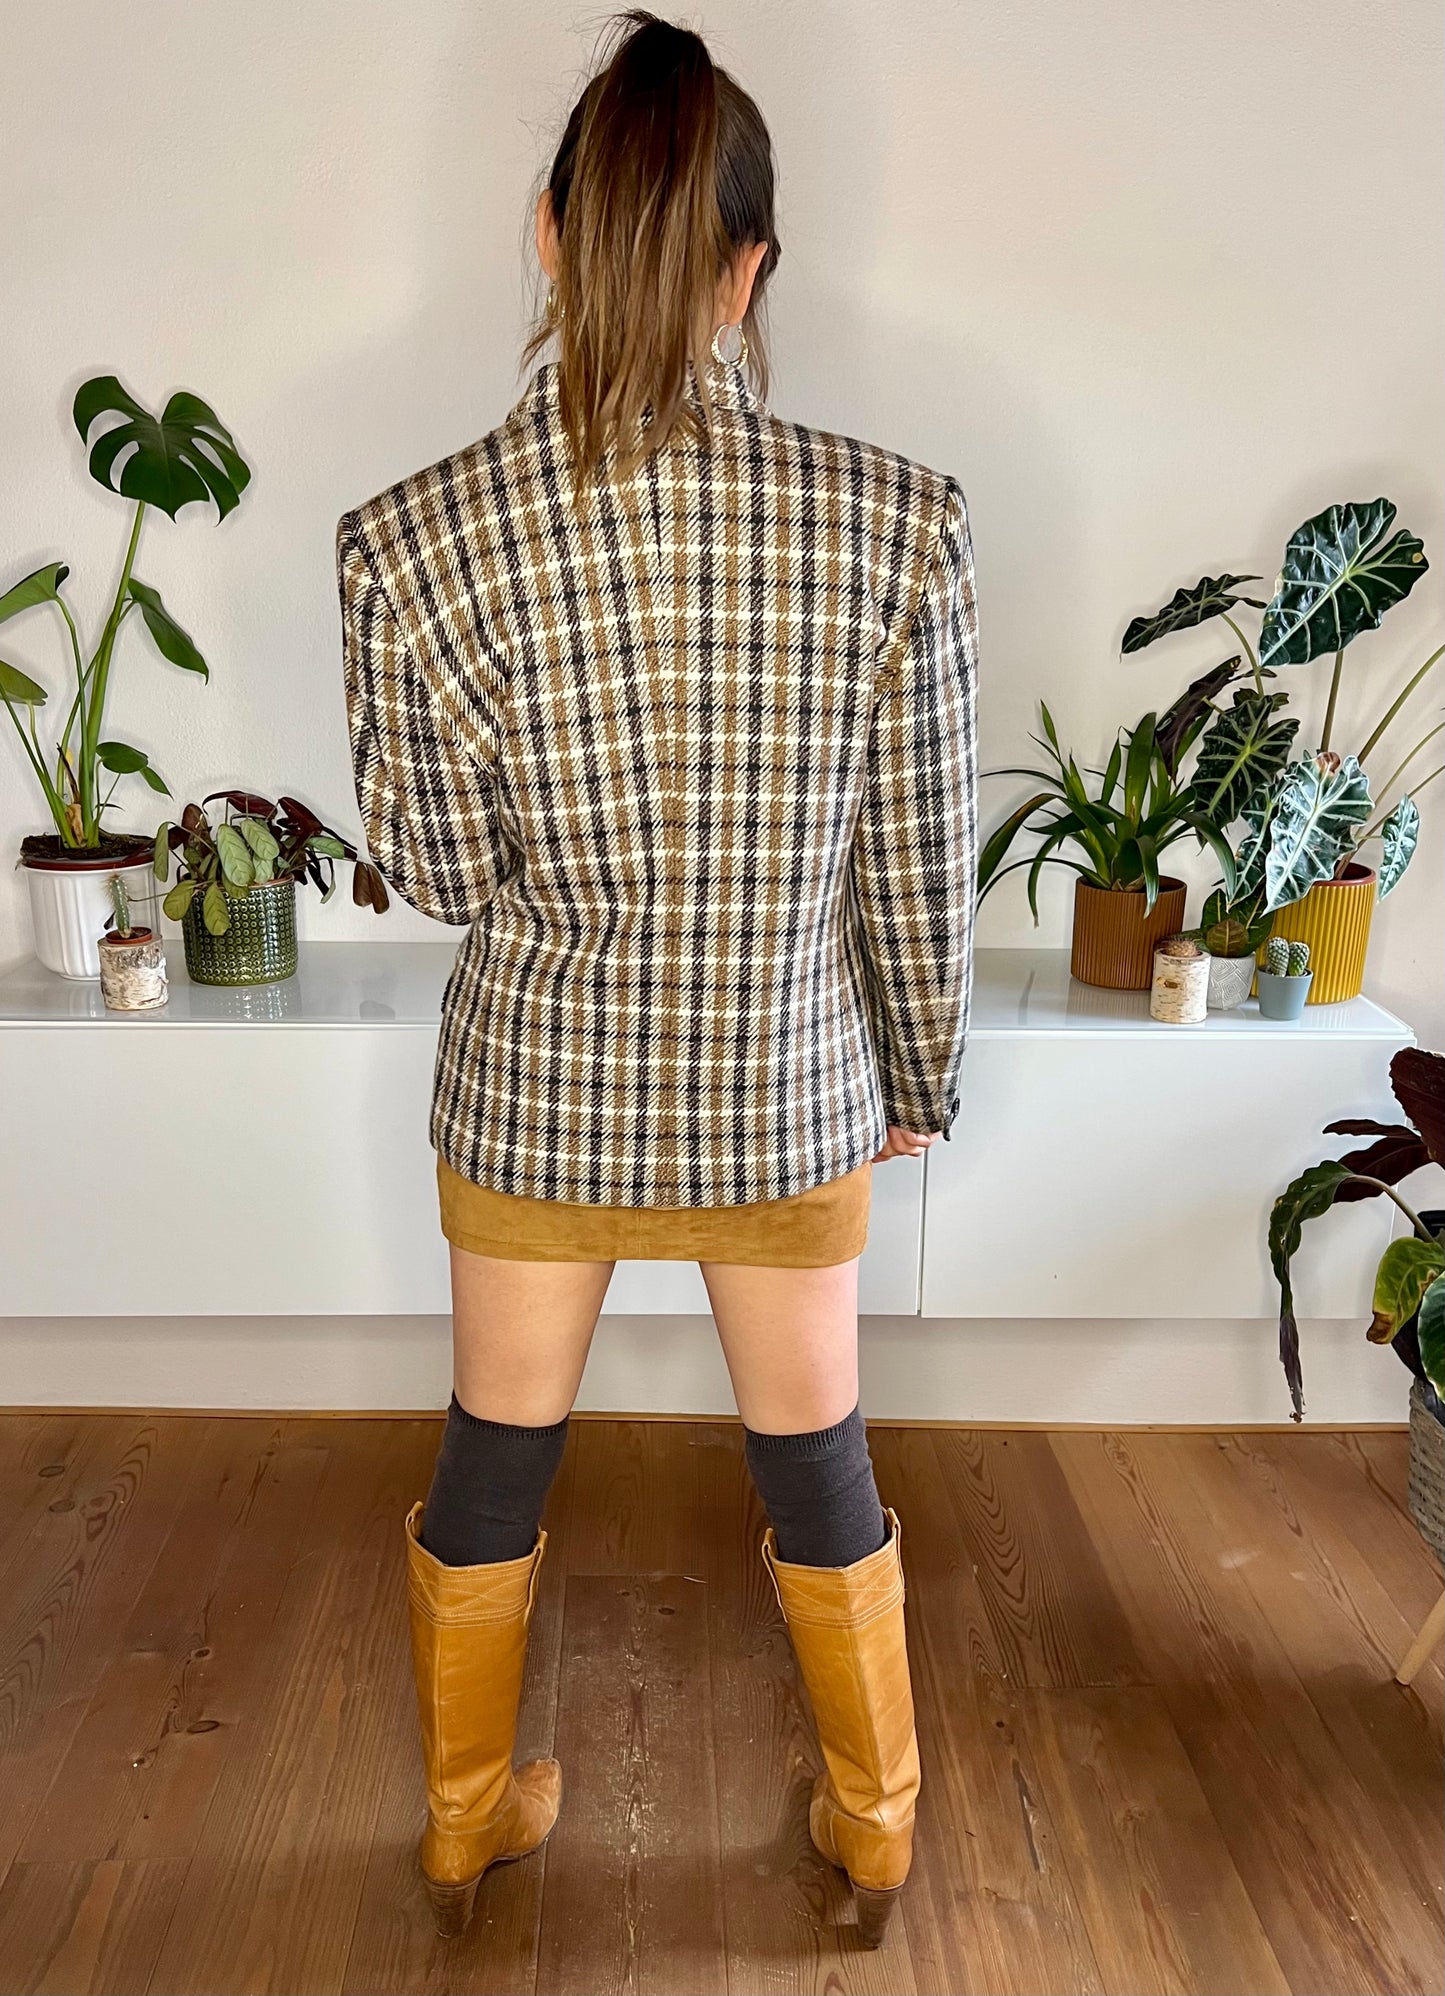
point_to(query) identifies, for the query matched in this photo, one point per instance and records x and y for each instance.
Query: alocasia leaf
(1179, 724)
(1399, 835)
(1342, 571)
(1323, 801)
(1210, 597)
(1243, 750)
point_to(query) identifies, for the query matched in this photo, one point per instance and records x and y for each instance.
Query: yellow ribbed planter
(1334, 919)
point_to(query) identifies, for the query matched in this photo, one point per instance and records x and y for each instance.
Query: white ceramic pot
(69, 907)
(1230, 978)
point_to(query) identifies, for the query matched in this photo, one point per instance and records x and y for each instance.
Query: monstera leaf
(1400, 834)
(1341, 574)
(1323, 800)
(1243, 751)
(169, 639)
(19, 689)
(185, 453)
(1210, 597)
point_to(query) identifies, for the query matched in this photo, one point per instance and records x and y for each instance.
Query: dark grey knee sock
(819, 1493)
(488, 1488)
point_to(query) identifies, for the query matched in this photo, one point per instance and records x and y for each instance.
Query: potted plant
(1299, 824)
(235, 895)
(1117, 828)
(1284, 979)
(166, 462)
(1343, 569)
(1409, 1296)
(132, 958)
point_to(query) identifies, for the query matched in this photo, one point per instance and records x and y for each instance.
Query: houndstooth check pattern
(694, 758)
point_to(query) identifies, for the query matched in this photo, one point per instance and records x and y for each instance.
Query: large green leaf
(184, 454)
(1311, 1194)
(1406, 1270)
(123, 760)
(179, 899)
(1229, 928)
(1210, 597)
(19, 687)
(1324, 800)
(237, 865)
(43, 586)
(1400, 834)
(1243, 750)
(1432, 1335)
(1341, 574)
(170, 640)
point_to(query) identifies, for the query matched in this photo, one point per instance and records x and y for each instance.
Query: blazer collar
(727, 383)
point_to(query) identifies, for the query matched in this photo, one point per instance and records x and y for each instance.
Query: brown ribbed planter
(1113, 937)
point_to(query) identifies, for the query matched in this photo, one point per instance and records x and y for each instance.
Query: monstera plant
(164, 462)
(1409, 1297)
(1343, 570)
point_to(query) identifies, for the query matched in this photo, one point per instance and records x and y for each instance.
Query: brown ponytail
(663, 175)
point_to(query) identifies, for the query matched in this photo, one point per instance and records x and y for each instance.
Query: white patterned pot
(69, 907)
(1230, 978)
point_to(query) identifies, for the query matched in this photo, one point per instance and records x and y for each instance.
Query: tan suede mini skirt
(813, 1229)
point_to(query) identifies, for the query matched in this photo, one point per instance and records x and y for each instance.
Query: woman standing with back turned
(671, 702)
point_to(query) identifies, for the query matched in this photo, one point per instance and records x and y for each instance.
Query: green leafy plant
(1120, 824)
(1410, 1279)
(182, 456)
(1343, 570)
(254, 841)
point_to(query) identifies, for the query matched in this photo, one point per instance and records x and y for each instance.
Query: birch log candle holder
(1179, 993)
(132, 960)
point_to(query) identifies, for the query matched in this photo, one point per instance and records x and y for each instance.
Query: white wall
(1155, 281)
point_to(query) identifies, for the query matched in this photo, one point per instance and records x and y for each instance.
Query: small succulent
(1286, 959)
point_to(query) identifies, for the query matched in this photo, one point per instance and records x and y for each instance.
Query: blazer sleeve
(424, 781)
(914, 852)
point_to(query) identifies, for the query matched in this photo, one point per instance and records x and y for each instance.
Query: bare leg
(790, 1338)
(521, 1331)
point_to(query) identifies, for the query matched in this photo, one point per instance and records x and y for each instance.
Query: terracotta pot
(1334, 919)
(1113, 937)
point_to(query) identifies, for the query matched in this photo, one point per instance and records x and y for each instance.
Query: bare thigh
(790, 1337)
(521, 1331)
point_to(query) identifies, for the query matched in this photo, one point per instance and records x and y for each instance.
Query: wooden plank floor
(1162, 1749)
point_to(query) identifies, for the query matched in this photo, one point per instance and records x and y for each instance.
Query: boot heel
(875, 1910)
(451, 1905)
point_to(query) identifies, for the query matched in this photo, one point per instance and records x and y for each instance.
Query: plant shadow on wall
(1289, 831)
(242, 871)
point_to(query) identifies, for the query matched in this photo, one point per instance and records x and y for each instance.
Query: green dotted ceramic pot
(258, 948)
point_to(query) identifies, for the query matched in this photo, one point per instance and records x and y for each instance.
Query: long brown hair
(663, 175)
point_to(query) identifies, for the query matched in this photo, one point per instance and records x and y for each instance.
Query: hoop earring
(739, 359)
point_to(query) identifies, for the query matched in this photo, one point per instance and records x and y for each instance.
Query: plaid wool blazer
(692, 755)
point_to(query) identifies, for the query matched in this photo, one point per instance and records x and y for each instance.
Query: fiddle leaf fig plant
(183, 456)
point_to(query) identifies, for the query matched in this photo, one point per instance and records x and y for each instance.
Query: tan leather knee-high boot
(469, 1648)
(846, 1623)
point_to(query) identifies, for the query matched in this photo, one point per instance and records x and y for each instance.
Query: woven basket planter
(1427, 1471)
(1334, 919)
(1114, 938)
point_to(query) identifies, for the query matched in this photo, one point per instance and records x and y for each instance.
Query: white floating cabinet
(264, 1152)
(1106, 1166)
